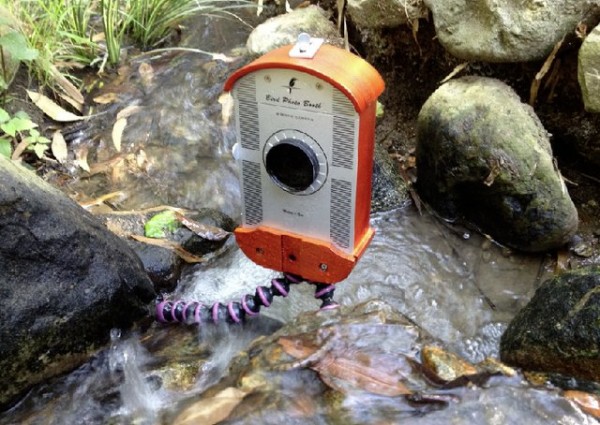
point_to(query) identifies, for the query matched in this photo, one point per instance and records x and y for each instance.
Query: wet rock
(558, 331)
(284, 29)
(511, 31)
(368, 351)
(389, 190)
(483, 156)
(162, 264)
(449, 370)
(444, 367)
(588, 70)
(387, 13)
(493, 366)
(65, 282)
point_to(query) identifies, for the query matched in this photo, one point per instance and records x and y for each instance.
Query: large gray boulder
(284, 29)
(588, 70)
(558, 330)
(483, 156)
(505, 31)
(384, 13)
(65, 282)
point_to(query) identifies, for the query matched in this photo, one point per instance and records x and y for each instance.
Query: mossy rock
(588, 71)
(284, 29)
(65, 281)
(558, 331)
(484, 157)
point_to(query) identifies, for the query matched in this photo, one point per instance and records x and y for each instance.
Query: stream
(457, 285)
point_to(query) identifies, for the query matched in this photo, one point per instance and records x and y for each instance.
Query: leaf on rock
(454, 72)
(117, 132)
(376, 380)
(333, 367)
(51, 109)
(128, 111)
(59, 147)
(205, 231)
(296, 348)
(211, 410)
(160, 224)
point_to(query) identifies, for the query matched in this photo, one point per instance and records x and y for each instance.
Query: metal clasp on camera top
(306, 47)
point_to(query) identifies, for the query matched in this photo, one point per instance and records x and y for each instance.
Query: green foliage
(15, 44)
(151, 21)
(17, 124)
(161, 224)
(20, 129)
(5, 147)
(14, 48)
(114, 29)
(63, 31)
(37, 143)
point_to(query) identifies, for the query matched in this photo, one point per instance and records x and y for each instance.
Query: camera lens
(292, 164)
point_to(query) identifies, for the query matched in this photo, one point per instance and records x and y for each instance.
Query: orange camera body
(305, 129)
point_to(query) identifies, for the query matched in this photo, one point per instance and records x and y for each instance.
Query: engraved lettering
(309, 104)
(291, 101)
(296, 213)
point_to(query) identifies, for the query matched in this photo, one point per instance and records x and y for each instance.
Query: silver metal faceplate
(275, 100)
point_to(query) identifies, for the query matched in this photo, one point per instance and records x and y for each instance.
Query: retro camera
(305, 127)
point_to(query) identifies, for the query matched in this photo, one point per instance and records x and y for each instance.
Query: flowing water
(458, 286)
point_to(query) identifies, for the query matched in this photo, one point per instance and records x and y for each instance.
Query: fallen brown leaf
(205, 231)
(355, 370)
(128, 111)
(117, 132)
(52, 109)
(59, 147)
(101, 199)
(69, 89)
(455, 71)
(185, 255)
(589, 403)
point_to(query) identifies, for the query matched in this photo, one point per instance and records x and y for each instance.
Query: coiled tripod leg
(169, 311)
(324, 292)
